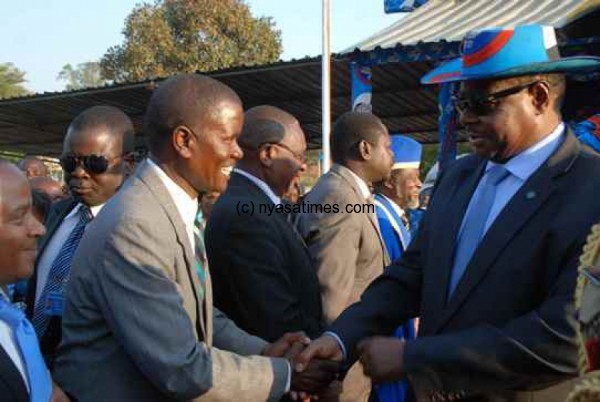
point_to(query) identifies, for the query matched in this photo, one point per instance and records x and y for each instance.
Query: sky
(41, 36)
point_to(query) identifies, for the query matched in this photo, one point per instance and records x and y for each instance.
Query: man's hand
(325, 347)
(316, 376)
(281, 347)
(382, 358)
(58, 395)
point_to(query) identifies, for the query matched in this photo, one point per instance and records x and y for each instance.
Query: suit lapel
(519, 210)
(12, 376)
(344, 173)
(444, 240)
(146, 174)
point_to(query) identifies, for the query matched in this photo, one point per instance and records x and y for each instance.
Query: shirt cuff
(339, 341)
(288, 384)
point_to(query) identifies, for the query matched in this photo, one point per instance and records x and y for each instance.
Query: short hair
(183, 100)
(349, 130)
(264, 125)
(556, 81)
(117, 122)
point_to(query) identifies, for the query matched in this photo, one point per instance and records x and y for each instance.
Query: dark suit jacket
(262, 274)
(507, 326)
(51, 338)
(12, 386)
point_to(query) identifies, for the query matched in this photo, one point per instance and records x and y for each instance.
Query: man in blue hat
(492, 270)
(394, 196)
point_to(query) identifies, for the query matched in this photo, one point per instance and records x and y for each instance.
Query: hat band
(488, 50)
(406, 165)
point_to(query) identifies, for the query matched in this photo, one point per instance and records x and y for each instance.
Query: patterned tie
(200, 253)
(59, 272)
(473, 229)
(37, 373)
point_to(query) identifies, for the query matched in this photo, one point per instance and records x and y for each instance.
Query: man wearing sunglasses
(262, 273)
(492, 269)
(97, 156)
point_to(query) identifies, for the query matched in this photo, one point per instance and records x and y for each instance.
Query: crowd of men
(146, 283)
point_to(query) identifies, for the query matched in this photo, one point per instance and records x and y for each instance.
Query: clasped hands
(316, 364)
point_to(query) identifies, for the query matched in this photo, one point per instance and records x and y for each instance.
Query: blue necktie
(59, 272)
(40, 384)
(473, 228)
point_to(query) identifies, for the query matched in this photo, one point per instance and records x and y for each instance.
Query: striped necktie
(200, 254)
(58, 276)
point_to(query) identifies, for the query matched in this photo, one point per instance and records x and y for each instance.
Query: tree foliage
(11, 81)
(85, 75)
(172, 36)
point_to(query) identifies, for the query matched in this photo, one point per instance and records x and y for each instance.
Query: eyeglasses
(484, 105)
(93, 164)
(299, 157)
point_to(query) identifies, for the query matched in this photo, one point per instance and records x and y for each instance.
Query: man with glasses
(262, 273)
(97, 156)
(492, 270)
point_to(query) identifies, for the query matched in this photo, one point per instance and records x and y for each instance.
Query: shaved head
(116, 122)
(188, 100)
(265, 125)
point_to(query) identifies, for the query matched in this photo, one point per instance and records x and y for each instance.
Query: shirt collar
(94, 210)
(261, 184)
(524, 164)
(186, 205)
(362, 185)
(396, 207)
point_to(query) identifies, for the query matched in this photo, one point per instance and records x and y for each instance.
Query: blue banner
(362, 89)
(402, 6)
(447, 126)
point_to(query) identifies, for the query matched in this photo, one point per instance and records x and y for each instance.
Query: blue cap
(407, 152)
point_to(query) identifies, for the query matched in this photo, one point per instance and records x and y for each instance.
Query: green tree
(11, 81)
(172, 36)
(85, 75)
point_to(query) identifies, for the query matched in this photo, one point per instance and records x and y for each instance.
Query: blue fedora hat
(508, 52)
(407, 152)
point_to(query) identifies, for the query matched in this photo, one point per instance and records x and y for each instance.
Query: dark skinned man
(24, 376)
(346, 246)
(33, 167)
(139, 324)
(262, 273)
(493, 267)
(96, 157)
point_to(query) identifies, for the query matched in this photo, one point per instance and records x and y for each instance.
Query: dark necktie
(37, 374)
(59, 275)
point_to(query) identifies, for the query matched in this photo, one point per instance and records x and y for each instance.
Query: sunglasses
(484, 105)
(93, 164)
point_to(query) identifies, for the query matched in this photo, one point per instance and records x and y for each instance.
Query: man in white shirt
(139, 323)
(345, 242)
(23, 373)
(97, 156)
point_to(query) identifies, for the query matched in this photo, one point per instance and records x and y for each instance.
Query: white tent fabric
(452, 19)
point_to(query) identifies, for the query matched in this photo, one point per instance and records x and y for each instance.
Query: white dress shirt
(186, 206)
(53, 247)
(9, 344)
(261, 184)
(362, 185)
(520, 167)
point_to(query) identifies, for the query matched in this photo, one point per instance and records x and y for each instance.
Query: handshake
(316, 364)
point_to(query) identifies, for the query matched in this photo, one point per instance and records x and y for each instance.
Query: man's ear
(540, 94)
(365, 150)
(265, 155)
(181, 138)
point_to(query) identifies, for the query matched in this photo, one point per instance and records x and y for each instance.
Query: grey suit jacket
(347, 248)
(134, 328)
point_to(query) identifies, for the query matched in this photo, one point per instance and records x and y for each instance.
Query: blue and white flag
(402, 6)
